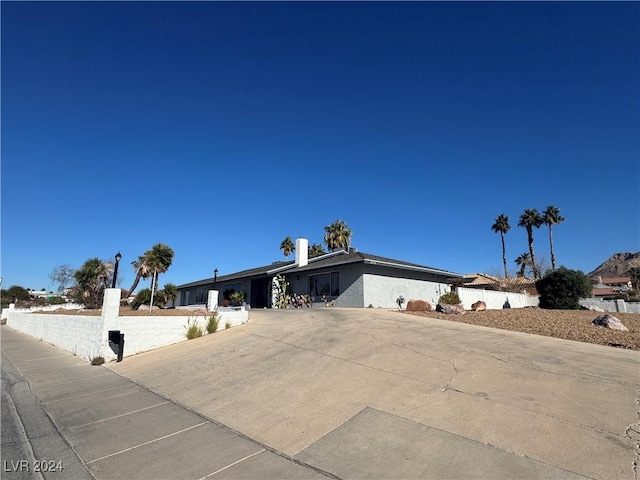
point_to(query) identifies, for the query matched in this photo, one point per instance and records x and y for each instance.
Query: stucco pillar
(110, 312)
(621, 306)
(212, 301)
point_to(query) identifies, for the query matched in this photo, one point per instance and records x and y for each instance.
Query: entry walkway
(72, 420)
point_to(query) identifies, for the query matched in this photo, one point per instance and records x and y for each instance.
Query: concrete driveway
(367, 393)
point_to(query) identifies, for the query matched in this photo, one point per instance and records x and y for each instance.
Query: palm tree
(502, 226)
(551, 216)
(170, 292)
(315, 250)
(287, 247)
(529, 219)
(141, 268)
(159, 260)
(523, 261)
(337, 235)
(91, 280)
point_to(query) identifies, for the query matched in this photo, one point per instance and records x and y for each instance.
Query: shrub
(450, 298)
(212, 324)
(227, 325)
(144, 298)
(563, 288)
(97, 360)
(237, 298)
(193, 330)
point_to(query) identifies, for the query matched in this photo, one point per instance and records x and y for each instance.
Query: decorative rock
(418, 306)
(593, 308)
(609, 321)
(453, 309)
(479, 306)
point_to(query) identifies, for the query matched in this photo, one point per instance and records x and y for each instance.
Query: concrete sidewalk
(344, 393)
(71, 420)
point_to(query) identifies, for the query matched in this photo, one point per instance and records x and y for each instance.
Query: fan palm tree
(315, 250)
(287, 247)
(502, 226)
(337, 235)
(170, 292)
(91, 280)
(141, 268)
(159, 259)
(523, 261)
(551, 216)
(529, 219)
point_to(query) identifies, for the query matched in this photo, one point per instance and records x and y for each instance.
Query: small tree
(562, 288)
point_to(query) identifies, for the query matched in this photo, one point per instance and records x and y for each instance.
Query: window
(324, 284)
(201, 295)
(227, 290)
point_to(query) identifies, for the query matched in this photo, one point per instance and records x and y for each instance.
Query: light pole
(215, 277)
(115, 270)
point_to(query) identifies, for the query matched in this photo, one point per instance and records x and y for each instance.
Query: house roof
(482, 279)
(615, 280)
(604, 292)
(331, 259)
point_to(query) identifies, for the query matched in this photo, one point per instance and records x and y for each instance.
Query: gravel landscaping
(568, 324)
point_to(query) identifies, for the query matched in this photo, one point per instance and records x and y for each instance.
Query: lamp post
(215, 277)
(115, 270)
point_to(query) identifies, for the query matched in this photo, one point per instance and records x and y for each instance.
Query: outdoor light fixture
(115, 270)
(215, 277)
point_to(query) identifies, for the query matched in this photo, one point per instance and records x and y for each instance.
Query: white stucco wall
(382, 291)
(87, 336)
(77, 334)
(494, 300)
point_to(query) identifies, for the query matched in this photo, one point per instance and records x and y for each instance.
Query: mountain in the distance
(617, 265)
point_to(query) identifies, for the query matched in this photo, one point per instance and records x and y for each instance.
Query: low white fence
(88, 336)
(46, 308)
(495, 300)
(611, 305)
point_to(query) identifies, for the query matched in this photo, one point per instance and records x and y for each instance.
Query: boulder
(479, 306)
(593, 308)
(609, 321)
(419, 306)
(453, 309)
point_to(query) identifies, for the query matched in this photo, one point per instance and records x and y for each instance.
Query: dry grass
(568, 324)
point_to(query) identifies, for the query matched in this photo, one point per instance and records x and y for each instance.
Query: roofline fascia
(311, 260)
(412, 267)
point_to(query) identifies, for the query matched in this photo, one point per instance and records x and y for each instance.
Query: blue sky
(221, 128)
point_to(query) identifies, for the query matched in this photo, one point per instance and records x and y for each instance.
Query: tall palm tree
(159, 260)
(529, 219)
(502, 226)
(141, 268)
(551, 216)
(337, 235)
(523, 261)
(287, 247)
(315, 250)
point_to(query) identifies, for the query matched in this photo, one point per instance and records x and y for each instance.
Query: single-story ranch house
(347, 278)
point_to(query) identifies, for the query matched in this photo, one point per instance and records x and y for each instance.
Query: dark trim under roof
(332, 259)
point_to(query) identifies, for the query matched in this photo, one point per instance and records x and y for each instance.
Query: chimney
(302, 251)
(599, 280)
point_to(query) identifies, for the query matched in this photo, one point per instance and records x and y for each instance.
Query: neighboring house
(608, 288)
(489, 282)
(347, 278)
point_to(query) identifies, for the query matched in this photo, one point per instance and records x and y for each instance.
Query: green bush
(144, 298)
(193, 330)
(450, 298)
(563, 288)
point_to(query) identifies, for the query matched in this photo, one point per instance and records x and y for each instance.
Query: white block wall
(495, 300)
(87, 336)
(77, 334)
